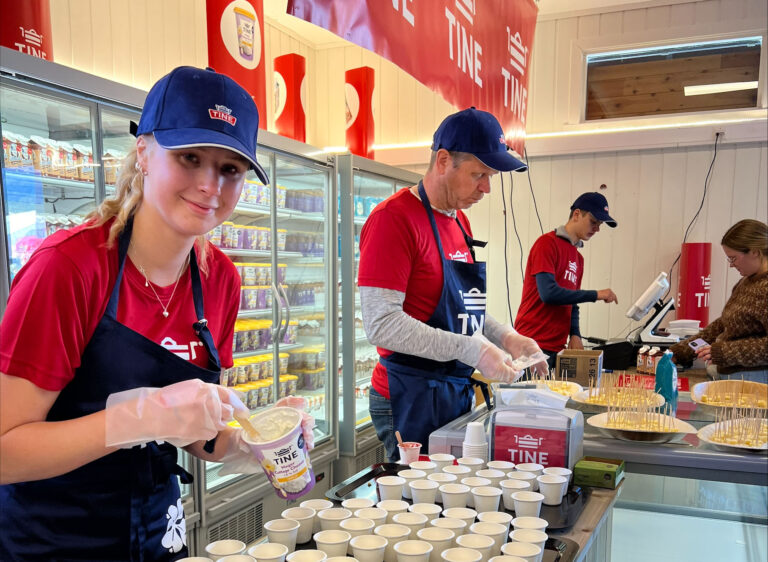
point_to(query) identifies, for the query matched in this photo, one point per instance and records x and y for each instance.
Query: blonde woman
(115, 334)
(738, 340)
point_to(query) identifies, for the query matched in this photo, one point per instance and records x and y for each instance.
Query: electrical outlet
(720, 135)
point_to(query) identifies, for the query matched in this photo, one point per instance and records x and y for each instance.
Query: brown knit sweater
(739, 338)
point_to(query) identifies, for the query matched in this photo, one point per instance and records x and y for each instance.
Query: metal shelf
(281, 213)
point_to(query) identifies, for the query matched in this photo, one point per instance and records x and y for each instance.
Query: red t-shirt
(549, 324)
(59, 296)
(398, 251)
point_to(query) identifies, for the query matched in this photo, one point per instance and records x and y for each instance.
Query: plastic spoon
(399, 438)
(242, 417)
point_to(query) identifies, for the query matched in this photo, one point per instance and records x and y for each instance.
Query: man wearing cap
(423, 294)
(549, 311)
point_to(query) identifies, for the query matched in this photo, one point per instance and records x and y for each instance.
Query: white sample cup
(539, 538)
(330, 519)
(318, 506)
(390, 487)
(460, 554)
(425, 466)
(475, 434)
(523, 476)
(332, 542)
(356, 527)
(305, 516)
(342, 559)
(464, 513)
(458, 526)
(368, 548)
(495, 476)
(409, 451)
(413, 551)
(441, 460)
(525, 550)
(504, 466)
(505, 558)
(353, 504)
(560, 471)
(454, 495)
(269, 551)
(527, 504)
(424, 491)
(441, 478)
(414, 521)
(394, 534)
(375, 514)
(458, 470)
(409, 476)
(440, 539)
(237, 558)
(308, 555)
(481, 543)
(496, 531)
(533, 468)
(430, 510)
(472, 463)
(486, 498)
(536, 523)
(553, 487)
(283, 531)
(500, 517)
(225, 547)
(195, 559)
(392, 507)
(509, 487)
(474, 482)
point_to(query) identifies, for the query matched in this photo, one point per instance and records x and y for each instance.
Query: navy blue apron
(126, 505)
(427, 394)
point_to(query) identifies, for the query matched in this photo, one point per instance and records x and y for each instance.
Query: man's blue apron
(126, 505)
(427, 394)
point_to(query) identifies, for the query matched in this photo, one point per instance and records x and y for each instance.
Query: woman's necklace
(148, 284)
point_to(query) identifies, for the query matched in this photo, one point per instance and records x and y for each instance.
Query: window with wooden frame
(695, 77)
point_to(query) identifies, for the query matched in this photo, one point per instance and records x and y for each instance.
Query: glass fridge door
(362, 185)
(116, 142)
(48, 167)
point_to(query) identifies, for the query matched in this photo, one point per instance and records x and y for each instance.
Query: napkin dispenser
(547, 436)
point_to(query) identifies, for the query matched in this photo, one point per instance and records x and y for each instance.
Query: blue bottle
(666, 380)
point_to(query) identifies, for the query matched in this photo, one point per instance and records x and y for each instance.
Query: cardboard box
(598, 472)
(580, 365)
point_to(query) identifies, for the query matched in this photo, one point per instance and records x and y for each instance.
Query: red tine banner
(472, 53)
(290, 120)
(26, 27)
(358, 92)
(236, 46)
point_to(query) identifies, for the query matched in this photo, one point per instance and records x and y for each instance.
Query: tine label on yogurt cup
(283, 454)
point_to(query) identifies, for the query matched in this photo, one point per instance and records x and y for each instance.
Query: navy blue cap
(478, 133)
(596, 204)
(194, 107)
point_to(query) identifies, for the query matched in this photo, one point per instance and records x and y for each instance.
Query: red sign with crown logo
(547, 447)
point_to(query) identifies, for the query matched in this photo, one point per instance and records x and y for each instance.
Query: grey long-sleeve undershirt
(387, 325)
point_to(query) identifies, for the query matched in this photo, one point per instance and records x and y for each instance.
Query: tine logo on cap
(223, 113)
(502, 140)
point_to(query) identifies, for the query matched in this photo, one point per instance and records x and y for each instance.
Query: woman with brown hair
(738, 340)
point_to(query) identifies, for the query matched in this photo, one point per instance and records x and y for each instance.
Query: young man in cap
(423, 294)
(549, 311)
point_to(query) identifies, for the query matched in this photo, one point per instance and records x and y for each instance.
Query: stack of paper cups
(475, 444)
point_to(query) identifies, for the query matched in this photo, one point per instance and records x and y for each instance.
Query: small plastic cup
(413, 551)
(505, 558)
(332, 542)
(441, 478)
(441, 460)
(552, 486)
(225, 547)
(353, 504)
(509, 487)
(424, 491)
(414, 521)
(504, 466)
(269, 552)
(481, 543)
(318, 505)
(307, 555)
(283, 531)
(536, 523)
(409, 451)
(458, 526)
(525, 550)
(460, 554)
(440, 539)
(533, 468)
(390, 487)
(305, 517)
(475, 434)
(486, 498)
(495, 476)
(409, 476)
(195, 559)
(341, 559)
(464, 513)
(529, 477)
(472, 463)
(394, 534)
(474, 482)
(330, 519)
(425, 466)
(356, 526)
(368, 548)
(392, 507)
(527, 504)
(539, 538)
(496, 531)
(430, 510)
(375, 514)
(237, 558)
(500, 517)
(458, 470)
(560, 471)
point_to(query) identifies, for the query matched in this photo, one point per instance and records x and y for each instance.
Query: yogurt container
(283, 454)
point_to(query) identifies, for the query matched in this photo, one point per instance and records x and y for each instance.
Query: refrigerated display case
(363, 184)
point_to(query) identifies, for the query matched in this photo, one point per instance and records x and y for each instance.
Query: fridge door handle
(276, 331)
(284, 327)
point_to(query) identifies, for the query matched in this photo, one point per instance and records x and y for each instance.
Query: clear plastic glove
(494, 363)
(180, 414)
(307, 422)
(520, 346)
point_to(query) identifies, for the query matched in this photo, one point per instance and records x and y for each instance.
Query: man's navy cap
(194, 107)
(478, 133)
(596, 204)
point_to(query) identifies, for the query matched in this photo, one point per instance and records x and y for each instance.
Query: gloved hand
(518, 346)
(307, 422)
(494, 362)
(180, 414)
